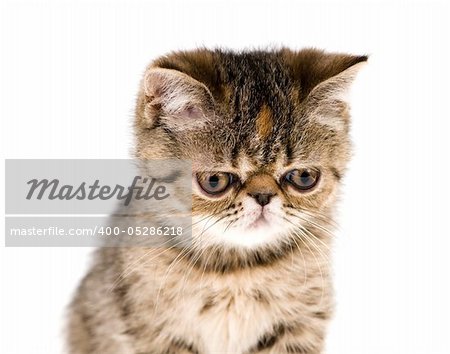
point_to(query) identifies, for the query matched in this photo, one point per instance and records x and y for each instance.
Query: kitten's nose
(262, 198)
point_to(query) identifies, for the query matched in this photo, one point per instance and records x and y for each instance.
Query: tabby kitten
(267, 134)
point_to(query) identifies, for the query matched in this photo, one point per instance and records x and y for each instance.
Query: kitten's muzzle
(262, 187)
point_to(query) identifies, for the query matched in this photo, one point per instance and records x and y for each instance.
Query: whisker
(318, 265)
(322, 228)
(301, 229)
(230, 223)
(312, 239)
(186, 275)
(215, 222)
(171, 266)
(304, 262)
(208, 216)
(130, 268)
(317, 214)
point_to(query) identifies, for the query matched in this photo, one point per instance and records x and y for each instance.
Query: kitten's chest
(216, 313)
(232, 321)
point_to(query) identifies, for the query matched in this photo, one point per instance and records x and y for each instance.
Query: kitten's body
(266, 309)
(242, 288)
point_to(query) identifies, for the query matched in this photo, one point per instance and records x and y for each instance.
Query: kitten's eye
(216, 182)
(303, 179)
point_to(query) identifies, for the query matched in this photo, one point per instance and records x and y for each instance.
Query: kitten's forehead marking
(249, 166)
(264, 121)
(246, 165)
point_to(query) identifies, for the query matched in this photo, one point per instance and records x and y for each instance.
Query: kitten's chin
(260, 223)
(239, 248)
(225, 247)
(260, 232)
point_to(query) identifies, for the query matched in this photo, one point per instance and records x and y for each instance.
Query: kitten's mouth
(260, 221)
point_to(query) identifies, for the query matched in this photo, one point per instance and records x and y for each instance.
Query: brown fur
(264, 121)
(257, 115)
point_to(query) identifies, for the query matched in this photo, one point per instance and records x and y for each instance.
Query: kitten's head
(267, 134)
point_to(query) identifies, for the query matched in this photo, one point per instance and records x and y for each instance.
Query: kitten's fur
(238, 289)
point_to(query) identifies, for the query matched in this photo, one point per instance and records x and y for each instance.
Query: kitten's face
(267, 134)
(253, 204)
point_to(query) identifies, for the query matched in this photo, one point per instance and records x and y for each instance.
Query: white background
(69, 75)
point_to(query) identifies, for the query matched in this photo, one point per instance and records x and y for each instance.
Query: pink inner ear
(190, 112)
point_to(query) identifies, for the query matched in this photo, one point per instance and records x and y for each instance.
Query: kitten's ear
(175, 99)
(336, 88)
(312, 67)
(324, 81)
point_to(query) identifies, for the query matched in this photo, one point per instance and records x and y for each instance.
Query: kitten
(268, 136)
